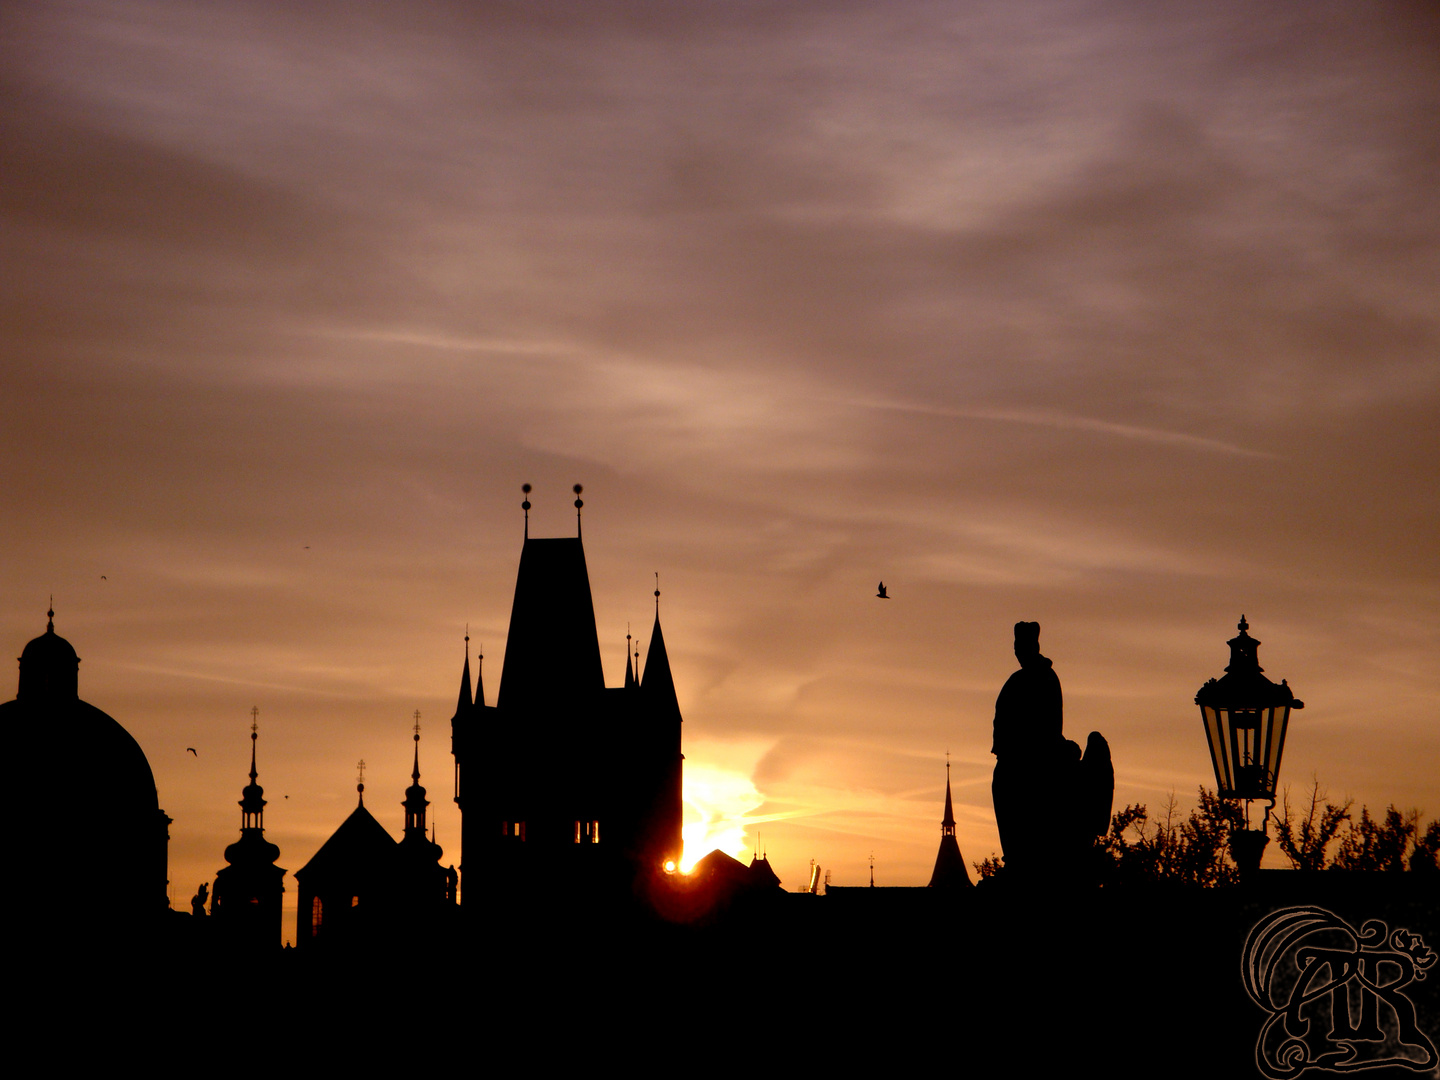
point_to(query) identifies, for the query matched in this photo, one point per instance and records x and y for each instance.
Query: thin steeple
(947, 826)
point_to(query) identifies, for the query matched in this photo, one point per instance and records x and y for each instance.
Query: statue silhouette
(197, 902)
(1050, 801)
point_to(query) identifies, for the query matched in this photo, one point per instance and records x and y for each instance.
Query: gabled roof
(360, 846)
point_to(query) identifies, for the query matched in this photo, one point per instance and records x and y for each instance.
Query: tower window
(317, 916)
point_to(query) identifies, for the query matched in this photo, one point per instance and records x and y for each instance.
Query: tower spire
(252, 799)
(465, 702)
(579, 502)
(947, 826)
(526, 507)
(949, 872)
(415, 801)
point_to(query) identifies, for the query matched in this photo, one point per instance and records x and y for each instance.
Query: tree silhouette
(1304, 839)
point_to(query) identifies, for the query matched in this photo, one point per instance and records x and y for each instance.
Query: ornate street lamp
(1245, 716)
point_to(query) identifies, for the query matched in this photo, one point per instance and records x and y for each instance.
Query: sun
(716, 802)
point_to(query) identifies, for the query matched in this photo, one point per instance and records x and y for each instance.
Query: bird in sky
(882, 594)
(192, 750)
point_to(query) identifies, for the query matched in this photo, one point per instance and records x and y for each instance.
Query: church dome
(98, 799)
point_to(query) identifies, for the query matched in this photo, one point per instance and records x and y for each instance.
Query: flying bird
(192, 750)
(882, 594)
(103, 577)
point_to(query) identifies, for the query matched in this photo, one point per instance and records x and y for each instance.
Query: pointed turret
(950, 872)
(630, 683)
(465, 703)
(659, 751)
(659, 685)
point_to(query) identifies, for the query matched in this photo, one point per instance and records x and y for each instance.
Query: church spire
(247, 891)
(630, 682)
(949, 872)
(947, 826)
(415, 801)
(252, 799)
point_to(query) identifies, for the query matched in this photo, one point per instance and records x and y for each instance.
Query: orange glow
(717, 801)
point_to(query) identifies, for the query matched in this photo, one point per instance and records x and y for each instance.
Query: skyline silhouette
(1117, 321)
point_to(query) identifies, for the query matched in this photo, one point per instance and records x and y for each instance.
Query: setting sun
(717, 801)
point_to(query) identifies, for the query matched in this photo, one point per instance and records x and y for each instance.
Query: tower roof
(552, 651)
(950, 872)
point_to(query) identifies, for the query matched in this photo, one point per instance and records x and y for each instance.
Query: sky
(1120, 318)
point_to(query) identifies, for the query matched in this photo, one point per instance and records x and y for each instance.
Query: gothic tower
(564, 780)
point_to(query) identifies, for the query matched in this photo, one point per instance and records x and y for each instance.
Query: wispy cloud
(1063, 421)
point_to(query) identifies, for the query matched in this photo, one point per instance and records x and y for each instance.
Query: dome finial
(415, 773)
(579, 502)
(525, 488)
(657, 594)
(360, 785)
(50, 626)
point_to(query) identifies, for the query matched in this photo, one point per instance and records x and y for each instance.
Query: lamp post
(1245, 716)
